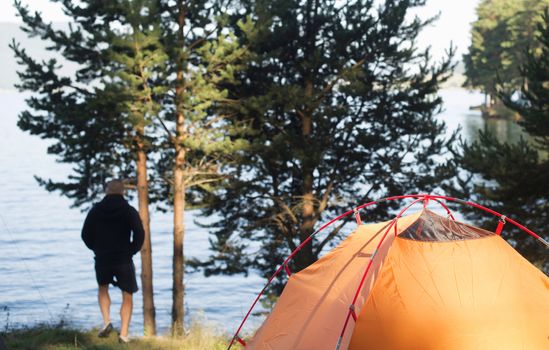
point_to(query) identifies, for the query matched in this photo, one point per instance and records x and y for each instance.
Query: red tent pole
(363, 279)
(445, 207)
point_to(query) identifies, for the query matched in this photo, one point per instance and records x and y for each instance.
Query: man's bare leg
(126, 313)
(105, 303)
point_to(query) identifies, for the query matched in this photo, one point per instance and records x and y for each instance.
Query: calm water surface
(46, 272)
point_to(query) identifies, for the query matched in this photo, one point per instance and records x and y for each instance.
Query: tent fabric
(312, 308)
(440, 284)
(473, 294)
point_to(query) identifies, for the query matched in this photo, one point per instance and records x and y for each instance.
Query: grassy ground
(56, 338)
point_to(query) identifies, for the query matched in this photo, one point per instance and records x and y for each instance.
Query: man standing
(108, 232)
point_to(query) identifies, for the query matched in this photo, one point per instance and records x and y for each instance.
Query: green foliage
(340, 108)
(125, 92)
(87, 115)
(202, 57)
(533, 102)
(137, 56)
(504, 29)
(512, 178)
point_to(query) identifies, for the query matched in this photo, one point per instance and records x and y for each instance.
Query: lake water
(46, 272)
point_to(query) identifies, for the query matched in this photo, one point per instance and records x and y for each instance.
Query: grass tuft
(44, 337)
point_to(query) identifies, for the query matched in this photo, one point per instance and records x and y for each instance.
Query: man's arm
(87, 230)
(138, 236)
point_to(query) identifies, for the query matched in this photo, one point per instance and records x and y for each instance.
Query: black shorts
(120, 275)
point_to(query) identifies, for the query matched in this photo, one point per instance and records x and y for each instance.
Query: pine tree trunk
(178, 290)
(178, 312)
(149, 313)
(306, 256)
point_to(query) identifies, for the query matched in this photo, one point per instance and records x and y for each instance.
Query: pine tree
(98, 116)
(512, 178)
(139, 59)
(340, 109)
(203, 56)
(499, 37)
(70, 110)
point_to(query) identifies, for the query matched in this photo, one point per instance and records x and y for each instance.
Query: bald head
(115, 187)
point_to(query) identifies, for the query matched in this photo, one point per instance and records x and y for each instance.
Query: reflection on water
(504, 130)
(457, 113)
(47, 233)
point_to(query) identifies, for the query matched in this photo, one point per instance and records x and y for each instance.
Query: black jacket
(108, 229)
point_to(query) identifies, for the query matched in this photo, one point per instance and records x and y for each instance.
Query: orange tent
(420, 281)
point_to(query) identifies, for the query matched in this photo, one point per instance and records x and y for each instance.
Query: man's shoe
(105, 331)
(123, 340)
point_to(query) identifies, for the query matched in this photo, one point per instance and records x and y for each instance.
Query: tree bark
(149, 312)
(178, 290)
(306, 255)
(178, 312)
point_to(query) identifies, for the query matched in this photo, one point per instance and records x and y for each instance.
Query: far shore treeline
(501, 38)
(276, 115)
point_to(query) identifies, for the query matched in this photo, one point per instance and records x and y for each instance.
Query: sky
(453, 25)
